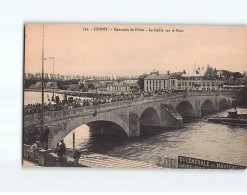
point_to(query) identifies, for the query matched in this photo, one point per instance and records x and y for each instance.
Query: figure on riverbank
(234, 103)
(77, 156)
(45, 137)
(61, 148)
(35, 150)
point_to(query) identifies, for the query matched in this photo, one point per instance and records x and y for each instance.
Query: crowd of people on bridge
(78, 102)
(71, 102)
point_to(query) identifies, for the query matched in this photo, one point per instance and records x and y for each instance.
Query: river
(198, 139)
(33, 97)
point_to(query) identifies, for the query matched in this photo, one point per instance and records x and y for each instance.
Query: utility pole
(52, 99)
(73, 144)
(53, 58)
(53, 74)
(42, 78)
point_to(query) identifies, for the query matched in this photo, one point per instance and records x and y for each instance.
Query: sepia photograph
(134, 96)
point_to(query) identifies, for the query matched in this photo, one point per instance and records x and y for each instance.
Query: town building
(90, 83)
(47, 85)
(196, 80)
(51, 85)
(159, 82)
(118, 86)
(242, 81)
(38, 85)
(73, 87)
(132, 84)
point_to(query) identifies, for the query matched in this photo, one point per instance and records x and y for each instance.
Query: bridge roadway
(124, 118)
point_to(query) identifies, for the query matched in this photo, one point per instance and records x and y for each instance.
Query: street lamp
(53, 76)
(42, 78)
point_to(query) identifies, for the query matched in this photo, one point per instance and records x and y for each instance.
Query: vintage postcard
(135, 96)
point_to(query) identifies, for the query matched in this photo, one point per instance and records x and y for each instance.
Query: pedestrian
(35, 150)
(61, 148)
(77, 155)
(46, 137)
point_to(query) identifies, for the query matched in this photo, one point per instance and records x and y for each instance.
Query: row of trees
(63, 80)
(211, 73)
(38, 76)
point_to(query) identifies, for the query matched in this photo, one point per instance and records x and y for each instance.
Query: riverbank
(49, 159)
(26, 163)
(48, 90)
(89, 94)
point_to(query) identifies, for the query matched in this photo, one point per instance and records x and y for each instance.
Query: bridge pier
(217, 107)
(170, 117)
(197, 110)
(134, 125)
(197, 114)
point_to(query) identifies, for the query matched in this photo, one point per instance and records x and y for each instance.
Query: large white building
(191, 79)
(157, 82)
(196, 80)
(118, 86)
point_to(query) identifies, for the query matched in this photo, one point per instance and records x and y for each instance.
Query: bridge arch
(100, 124)
(223, 104)
(106, 128)
(185, 109)
(149, 117)
(207, 107)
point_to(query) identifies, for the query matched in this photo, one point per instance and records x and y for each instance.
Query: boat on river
(233, 118)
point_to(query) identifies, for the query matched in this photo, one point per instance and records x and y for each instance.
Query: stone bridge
(126, 117)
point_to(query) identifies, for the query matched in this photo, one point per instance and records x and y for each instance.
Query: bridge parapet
(51, 115)
(87, 109)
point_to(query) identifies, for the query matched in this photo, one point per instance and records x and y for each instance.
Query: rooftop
(116, 83)
(200, 72)
(159, 76)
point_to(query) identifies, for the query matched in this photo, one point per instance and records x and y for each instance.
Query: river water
(33, 97)
(197, 139)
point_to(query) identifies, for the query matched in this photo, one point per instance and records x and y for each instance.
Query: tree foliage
(140, 81)
(210, 73)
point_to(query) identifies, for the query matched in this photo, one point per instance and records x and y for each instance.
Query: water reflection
(87, 142)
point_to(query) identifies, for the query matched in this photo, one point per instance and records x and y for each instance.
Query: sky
(127, 53)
